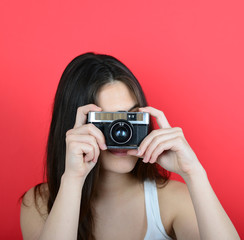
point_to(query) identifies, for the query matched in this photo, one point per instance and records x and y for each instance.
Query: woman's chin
(117, 160)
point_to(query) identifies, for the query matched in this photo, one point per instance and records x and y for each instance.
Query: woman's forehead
(115, 96)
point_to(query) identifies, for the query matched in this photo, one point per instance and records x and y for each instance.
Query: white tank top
(155, 228)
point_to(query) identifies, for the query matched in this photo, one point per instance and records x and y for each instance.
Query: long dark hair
(78, 86)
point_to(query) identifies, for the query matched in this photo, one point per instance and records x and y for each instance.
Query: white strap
(155, 228)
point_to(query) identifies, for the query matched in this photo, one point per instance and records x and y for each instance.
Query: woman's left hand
(167, 146)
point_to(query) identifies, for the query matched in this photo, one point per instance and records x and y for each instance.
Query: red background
(188, 56)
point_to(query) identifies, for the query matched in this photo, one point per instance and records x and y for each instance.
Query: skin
(183, 209)
(116, 178)
(123, 100)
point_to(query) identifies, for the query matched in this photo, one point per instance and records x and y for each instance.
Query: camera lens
(121, 132)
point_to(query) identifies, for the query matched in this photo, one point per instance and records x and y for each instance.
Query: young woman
(96, 193)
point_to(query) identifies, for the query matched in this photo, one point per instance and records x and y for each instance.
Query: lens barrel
(121, 131)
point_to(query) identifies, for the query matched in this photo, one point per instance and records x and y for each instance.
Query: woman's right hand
(83, 144)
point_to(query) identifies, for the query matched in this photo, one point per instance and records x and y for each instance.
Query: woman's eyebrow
(136, 105)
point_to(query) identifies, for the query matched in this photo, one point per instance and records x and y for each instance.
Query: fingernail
(104, 147)
(138, 152)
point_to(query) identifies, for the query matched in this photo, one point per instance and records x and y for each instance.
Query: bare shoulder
(173, 190)
(176, 205)
(37, 197)
(33, 211)
(173, 196)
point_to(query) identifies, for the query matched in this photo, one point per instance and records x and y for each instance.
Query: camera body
(122, 130)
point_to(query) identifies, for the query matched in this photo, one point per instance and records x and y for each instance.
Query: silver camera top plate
(132, 117)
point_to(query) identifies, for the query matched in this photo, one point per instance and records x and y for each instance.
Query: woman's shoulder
(173, 196)
(175, 204)
(33, 213)
(36, 198)
(172, 189)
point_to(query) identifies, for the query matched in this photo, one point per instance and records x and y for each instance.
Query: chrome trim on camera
(142, 117)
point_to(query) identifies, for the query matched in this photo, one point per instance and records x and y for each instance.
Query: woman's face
(115, 97)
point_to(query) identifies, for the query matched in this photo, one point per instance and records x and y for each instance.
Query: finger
(158, 151)
(92, 130)
(88, 150)
(133, 152)
(78, 148)
(159, 115)
(156, 141)
(90, 156)
(148, 139)
(174, 144)
(81, 114)
(88, 139)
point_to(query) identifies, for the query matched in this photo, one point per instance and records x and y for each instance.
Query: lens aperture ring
(121, 131)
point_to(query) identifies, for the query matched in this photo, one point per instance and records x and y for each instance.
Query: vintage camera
(123, 130)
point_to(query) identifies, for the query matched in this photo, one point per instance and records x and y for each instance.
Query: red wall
(188, 56)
